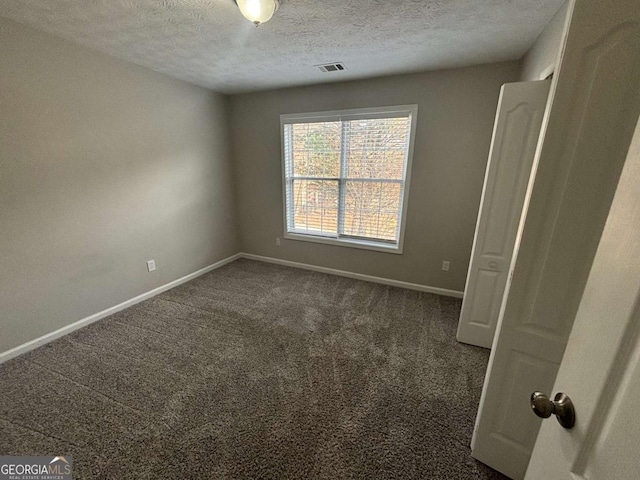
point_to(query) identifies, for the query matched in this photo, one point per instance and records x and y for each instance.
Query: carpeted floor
(255, 371)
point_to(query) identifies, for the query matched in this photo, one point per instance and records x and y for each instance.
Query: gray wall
(103, 165)
(455, 120)
(542, 57)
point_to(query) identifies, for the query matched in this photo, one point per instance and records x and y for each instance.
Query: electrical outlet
(278, 241)
(151, 265)
(445, 265)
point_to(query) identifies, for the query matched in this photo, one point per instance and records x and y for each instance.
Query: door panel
(484, 301)
(515, 419)
(517, 127)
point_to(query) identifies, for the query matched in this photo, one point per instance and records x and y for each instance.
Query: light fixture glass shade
(258, 11)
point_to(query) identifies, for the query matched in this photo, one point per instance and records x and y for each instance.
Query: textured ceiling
(209, 43)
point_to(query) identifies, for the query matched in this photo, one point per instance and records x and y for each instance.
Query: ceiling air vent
(332, 67)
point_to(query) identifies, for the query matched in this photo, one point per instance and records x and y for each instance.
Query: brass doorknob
(561, 407)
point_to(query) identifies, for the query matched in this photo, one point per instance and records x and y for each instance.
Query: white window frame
(352, 114)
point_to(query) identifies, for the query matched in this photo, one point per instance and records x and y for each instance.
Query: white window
(346, 176)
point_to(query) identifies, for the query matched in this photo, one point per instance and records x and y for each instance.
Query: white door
(600, 370)
(515, 136)
(595, 100)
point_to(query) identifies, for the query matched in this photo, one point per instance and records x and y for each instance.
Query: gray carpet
(255, 371)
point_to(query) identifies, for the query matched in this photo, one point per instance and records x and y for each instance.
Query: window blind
(345, 177)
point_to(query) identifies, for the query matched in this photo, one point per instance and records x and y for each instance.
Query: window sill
(346, 242)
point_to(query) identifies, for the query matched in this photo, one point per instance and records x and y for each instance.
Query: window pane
(345, 176)
(372, 209)
(377, 147)
(316, 149)
(315, 206)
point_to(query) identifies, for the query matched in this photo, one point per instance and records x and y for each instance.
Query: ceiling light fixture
(258, 11)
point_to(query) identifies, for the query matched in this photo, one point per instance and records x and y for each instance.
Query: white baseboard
(357, 276)
(49, 337)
